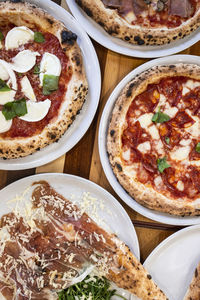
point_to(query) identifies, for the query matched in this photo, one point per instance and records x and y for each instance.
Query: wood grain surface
(83, 160)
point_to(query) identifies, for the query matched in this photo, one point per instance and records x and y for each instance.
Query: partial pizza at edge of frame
(43, 84)
(153, 139)
(145, 22)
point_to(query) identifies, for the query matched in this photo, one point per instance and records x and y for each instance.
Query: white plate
(157, 216)
(173, 262)
(117, 45)
(84, 119)
(112, 217)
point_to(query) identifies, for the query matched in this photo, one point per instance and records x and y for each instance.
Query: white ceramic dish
(173, 262)
(117, 45)
(106, 211)
(84, 119)
(157, 216)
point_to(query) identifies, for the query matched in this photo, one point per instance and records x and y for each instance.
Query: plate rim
(81, 16)
(103, 126)
(42, 158)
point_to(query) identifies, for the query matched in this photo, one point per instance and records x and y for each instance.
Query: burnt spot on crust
(68, 37)
(16, 1)
(77, 59)
(50, 21)
(139, 40)
(112, 132)
(196, 273)
(119, 167)
(127, 38)
(130, 88)
(149, 276)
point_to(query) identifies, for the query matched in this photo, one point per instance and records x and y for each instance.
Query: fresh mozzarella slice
(27, 88)
(24, 61)
(50, 64)
(18, 36)
(7, 97)
(0, 45)
(3, 73)
(4, 124)
(36, 110)
(12, 78)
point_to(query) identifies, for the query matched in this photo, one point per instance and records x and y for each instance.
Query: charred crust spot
(127, 38)
(38, 149)
(19, 148)
(129, 91)
(120, 108)
(15, 1)
(172, 66)
(70, 110)
(149, 36)
(174, 38)
(119, 167)
(4, 158)
(196, 273)
(139, 40)
(112, 132)
(88, 12)
(77, 60)
(50, 21)
(68, 37)
(72, 118)
(149, 276)
(112, 30)
(52, 136)
(1, 151)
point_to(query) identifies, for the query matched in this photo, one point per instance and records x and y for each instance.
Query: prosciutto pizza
(145, 22)
(42, 79)
(48, 244)
(153, 139)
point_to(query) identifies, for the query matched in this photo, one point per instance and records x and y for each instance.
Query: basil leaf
(162, 164)
(167, 140)
(50, 84)
(4, 87)
(160, 117)
(197, 148)
(36, 69)
(38, 37)
(1, 36)
(14, 109)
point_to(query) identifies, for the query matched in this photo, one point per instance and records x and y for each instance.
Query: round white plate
(120, 46)
(173, 262)
(84, 119)
(104, 208)
(157, 216)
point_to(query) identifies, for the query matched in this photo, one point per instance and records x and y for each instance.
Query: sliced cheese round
(5, 125)
(50, 65)
(7, 97)
(4, 75)
(27, 88)
(18, 36)
(36, 110)
(24, 61)
(11, 75)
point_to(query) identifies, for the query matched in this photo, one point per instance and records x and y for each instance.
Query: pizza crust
(116, 26)
(142, 193)
(25, 14)
(193, 292)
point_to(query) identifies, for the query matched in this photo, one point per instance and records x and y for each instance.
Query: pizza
(193, 292)
(153, 139)
(48, 243)
(43, 84)
(145, 22)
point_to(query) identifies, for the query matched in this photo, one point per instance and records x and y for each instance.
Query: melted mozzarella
(24, 61)
(154, 132)
(12, 78)
(50, 65)
(180, 153)
(144, 147)
(171, 111)
(180, 185)
(191, 84)
(4, 75)
(158, 181)
(145, 120)
(18, 36)
(27, 88)
(36, 110)
(185, 142)
(4, 124)
(185, 90)
(126, 155)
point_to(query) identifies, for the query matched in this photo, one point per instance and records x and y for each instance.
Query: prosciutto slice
(181, 8)
(125, 6)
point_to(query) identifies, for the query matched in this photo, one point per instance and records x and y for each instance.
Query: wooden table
(83, 160)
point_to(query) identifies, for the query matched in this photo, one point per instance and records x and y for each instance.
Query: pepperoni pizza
(153, 139)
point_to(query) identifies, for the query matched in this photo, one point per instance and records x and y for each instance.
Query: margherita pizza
(154, 139)
(42, 80)
(145, 22)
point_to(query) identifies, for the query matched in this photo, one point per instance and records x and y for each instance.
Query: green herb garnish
(162, 164)
(50, 84)
(160, 117)
(14, 109)
(1, 36)
(167, 140)
(197, 148)
(94, 288)
(4, 87)
(36, 69)
(38, 37)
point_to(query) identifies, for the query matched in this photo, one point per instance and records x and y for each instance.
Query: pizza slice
(46, 245)
(193, 292)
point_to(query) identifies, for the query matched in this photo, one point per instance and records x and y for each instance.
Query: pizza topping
(1, 36)
(24, 61)
(39, 37)
(7, 73)
(36, 111)
(197, 148)
(162, 164)
(160, 117)
(139, 6)
(27, 88)
(36, 70)
(167, 140)
(50, 65)
(3, 86)
(18, 36)
(181, 8)
(144, 147)
(5, 125)
(50, 84)
(16, 108)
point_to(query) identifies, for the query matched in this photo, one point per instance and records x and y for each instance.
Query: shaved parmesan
(24, 61)
(18, 36)
(4, 124)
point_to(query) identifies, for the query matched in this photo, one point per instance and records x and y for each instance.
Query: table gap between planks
(83, 160)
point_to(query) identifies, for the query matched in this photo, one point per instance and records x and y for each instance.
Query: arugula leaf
(160, 117)
(4, 87)
(1, 36)
(36, 69)
(197, 148)
(167, 140)
(50, 84)
(14, 109)
(39, 37)
(90, 288)
(162, 164)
